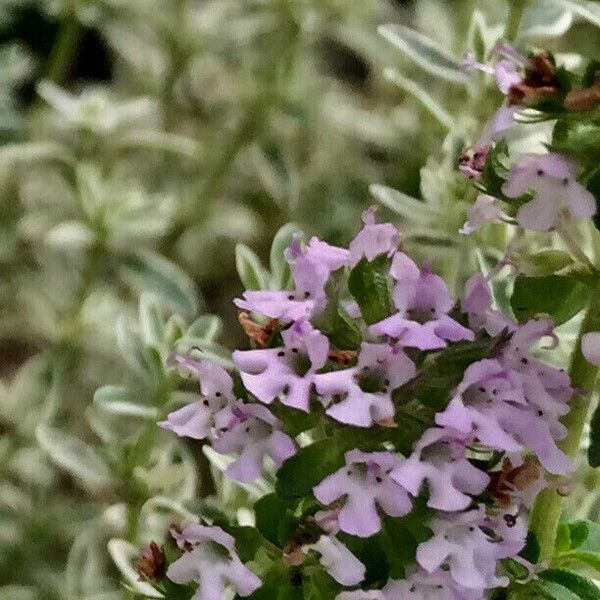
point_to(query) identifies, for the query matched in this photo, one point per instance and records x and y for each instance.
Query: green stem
(516, 8)
(547, 509)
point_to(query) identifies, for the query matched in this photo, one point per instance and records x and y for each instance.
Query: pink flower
(423, 302)
(366, 389)
(251, 432)
(286, 372)
(196, 420)
(366, 485)
(373, 239)
(212, 563)
(439, 459)
(551, 178)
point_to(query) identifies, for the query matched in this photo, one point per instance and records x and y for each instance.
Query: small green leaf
(311, 464)
(369, 285)
(252, 274)
(280, 269)
(151, 320)
(206, 327)
(577, 584)
(425, 52)
(75, 456)
(118, 400)
(579, 532)
(560, 296)
(275, 518)
(148, 271)
(543, 262)
(563, 538)
(594, 448)
(577, 558)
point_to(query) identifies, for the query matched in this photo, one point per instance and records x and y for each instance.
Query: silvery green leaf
(118, 400)
(151, 320)
(206, 350)
(18, 592)
(168, 505)
(206, 327)
(124, 554)
(586, 10)
(252, 274)
(75, 456)
(33, 152)
(158, 140)
(61, 101)
(147, 270)
(280, 269)
(402, 204)
(545, 18)
(424, 51)
(416, 91)
(71, 235)
(131, 345)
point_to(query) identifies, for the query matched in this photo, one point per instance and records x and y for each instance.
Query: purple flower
(251, 432)
(311, 268)
(470, 554)
(287, 372)
(590, 347)
(551, 178)
(366, 485)
(439, 459)
(212, 563)
(485, 209)
(490, 405)
(420, 585)
(477, 304)
(423, 301)
(216, 388)
(373, 239)
(366, 389)
(338, 561)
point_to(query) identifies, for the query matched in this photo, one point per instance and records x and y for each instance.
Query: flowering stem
(547, 509)
(574, 248)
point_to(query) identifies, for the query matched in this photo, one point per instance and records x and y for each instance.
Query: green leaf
(594, 448)
(560, 296)
(148, 271)
(318, 584)
(580, 586)
(589, 11)
(252, 274)
(118, 400)
(151, 320)
(311, 464)
(425, 52)
(495, 169)
(580, 558)
(275, 518)
(579, 532)
(563, 538)
(247, 541)
(369, 285)
(280, 583)
(280, 269)
(402, 204)
(206, 327)
(75, 456)
(543, 262)
(549, 590)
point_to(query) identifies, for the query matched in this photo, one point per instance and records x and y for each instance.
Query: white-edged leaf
(425, 52)
(165, 504)
(402, 204)
(204, 350)
(280, 269)
(74, 455)
(118, 400)
(545, 18)
(124, 554)
(416, 91)
(149, 271)
(131, 345)
(159, 140)
(206, 327)
(588, 11)
(251, 272)
(71, 235)
(151, 320)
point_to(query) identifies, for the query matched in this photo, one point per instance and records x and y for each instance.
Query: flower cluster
(499, 417)
(541, 189)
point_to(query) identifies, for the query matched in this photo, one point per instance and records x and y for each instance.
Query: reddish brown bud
(261, 334)
(151, 563)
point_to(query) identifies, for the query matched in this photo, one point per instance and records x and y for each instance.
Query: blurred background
(151, 149)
